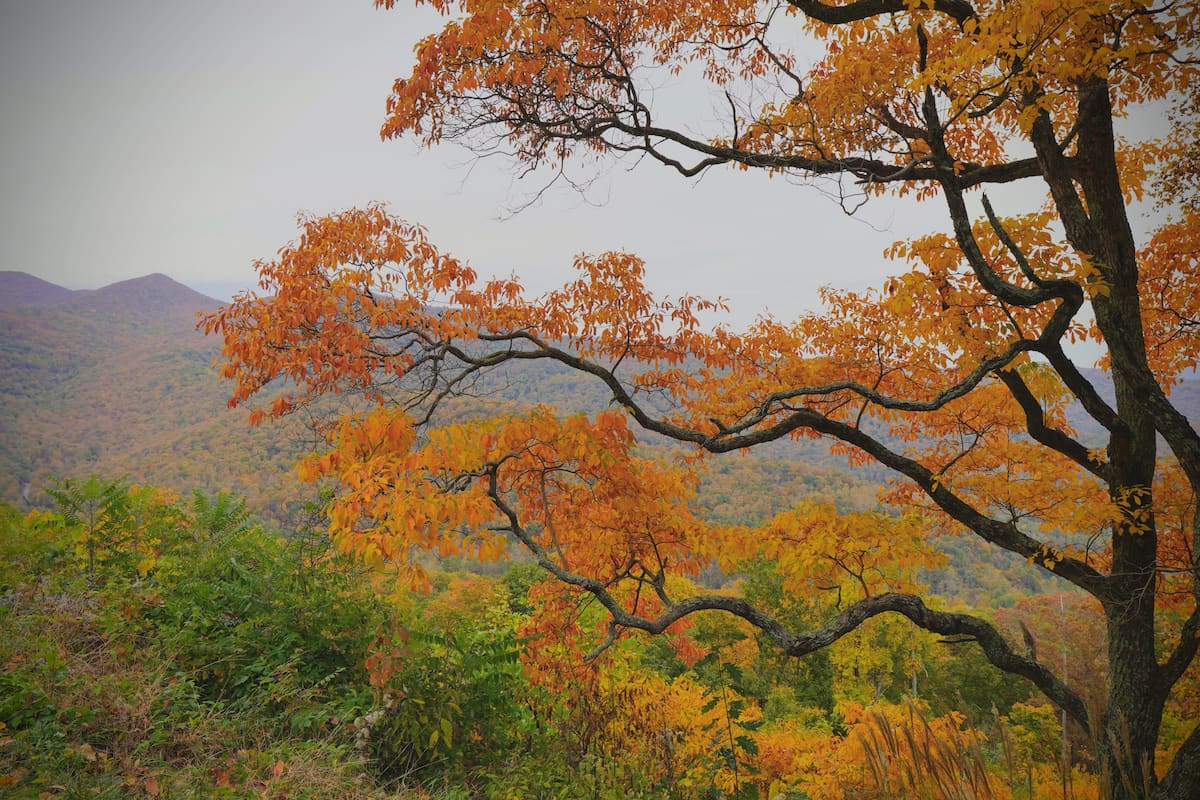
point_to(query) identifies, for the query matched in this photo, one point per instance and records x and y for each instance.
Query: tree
(956, 375)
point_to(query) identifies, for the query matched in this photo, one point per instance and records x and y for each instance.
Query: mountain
(44, 344)
(118, 382)
(150, 300)
(22, 290)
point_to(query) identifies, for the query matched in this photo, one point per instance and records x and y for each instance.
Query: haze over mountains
(118, 382)
(20, 290)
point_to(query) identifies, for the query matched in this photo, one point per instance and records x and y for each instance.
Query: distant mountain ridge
(22, 290)
(154, 296)
(117, 381)
(150, 297)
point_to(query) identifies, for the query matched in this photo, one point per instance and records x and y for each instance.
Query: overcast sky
(141, 136)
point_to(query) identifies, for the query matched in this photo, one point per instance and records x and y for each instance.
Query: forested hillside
(118, 382)
(154, 648)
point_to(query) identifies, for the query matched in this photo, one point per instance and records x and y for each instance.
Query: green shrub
(31, 549)
(457, 705)
(260, 622)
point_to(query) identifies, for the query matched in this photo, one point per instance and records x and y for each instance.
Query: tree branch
(1002, 534)
(1035, 424)
(994, 646)
(959, 10)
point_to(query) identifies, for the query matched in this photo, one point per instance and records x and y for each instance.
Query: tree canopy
(956, 374)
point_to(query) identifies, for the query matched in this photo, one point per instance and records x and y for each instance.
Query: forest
(159, 646)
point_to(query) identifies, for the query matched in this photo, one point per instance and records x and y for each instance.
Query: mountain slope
(151, 301)
(118, 382)
(22, 290)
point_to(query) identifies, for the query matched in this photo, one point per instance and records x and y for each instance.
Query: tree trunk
(1129, 730)
(1182, 781)
(1130, 726)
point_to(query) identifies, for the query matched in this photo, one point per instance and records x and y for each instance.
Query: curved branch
(1095, 405)
(600, 120)
(1035, 424)
(1003, 534)
(959, 10)
(990, 641)
(673, 612)
(962, 388)
(994, 646)
(867, 170)
(960, 218)
(1011, 245)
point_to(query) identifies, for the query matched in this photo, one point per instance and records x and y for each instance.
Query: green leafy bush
(159, 659)
(454, 698)
(260, 621)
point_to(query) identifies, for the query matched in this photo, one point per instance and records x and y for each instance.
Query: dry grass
(910, 756)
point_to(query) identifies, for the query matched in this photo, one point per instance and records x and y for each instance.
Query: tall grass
(911, 757)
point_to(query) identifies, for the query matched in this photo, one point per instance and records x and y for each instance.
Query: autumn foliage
(957, 374)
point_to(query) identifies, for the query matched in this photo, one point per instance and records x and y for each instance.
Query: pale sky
(141, 136)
